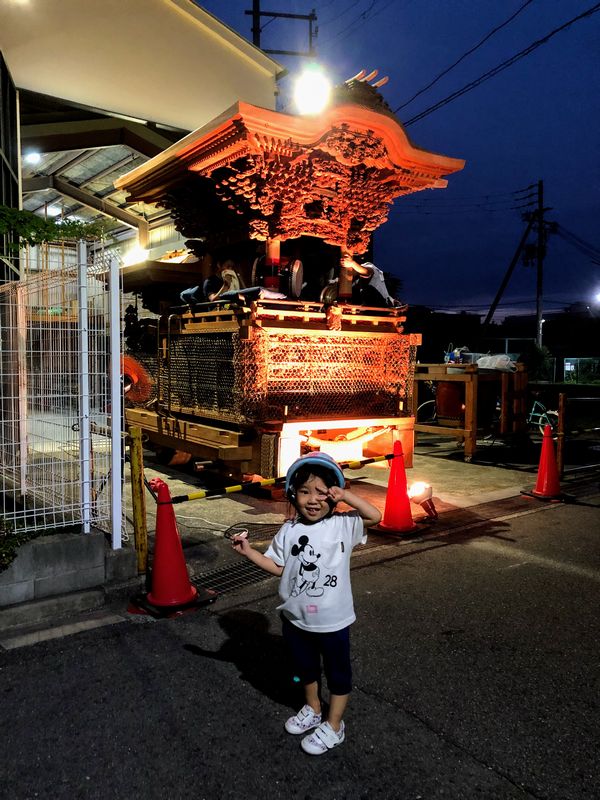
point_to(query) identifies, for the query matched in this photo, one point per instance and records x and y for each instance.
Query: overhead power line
(362, 16)
(464, 55)
(488, 197)
(501, 67)
(570, 234)
(367, 14)
(349, 7)
(525, 189)
(580, 245)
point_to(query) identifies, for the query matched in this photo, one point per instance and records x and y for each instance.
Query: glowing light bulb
(421, 493)
(312, 90)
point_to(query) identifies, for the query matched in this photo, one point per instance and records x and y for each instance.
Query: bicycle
(539, 416)
(426, 412)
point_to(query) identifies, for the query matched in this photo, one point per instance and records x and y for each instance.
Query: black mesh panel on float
(198, 374)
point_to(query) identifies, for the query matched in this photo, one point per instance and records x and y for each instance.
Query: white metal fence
(58, 387)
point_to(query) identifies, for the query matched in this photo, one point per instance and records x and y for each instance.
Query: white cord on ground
(210, 522)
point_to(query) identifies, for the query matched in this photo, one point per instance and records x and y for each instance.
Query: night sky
(536, 120)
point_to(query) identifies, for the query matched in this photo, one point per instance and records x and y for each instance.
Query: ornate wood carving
(269, 175)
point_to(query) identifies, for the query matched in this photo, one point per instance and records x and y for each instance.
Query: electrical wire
(501, 67)
(268, 23)
(591, 253)
(526, 188)
(369, 13)
(457, 203)
(509, 195)
(561, 230)
(457, 207)
(363, 15)
(499, 305)
(464, 55)
(450, 212)
(349, 7)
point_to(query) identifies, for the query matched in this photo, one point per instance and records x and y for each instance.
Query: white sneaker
(303, 721)
(323, 739)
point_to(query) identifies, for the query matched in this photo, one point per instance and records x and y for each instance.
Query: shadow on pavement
(259, 655)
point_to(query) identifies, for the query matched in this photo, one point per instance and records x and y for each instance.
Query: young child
(312, 555)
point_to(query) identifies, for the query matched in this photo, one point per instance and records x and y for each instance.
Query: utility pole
(311, 18)
(255, 22)
(540, 252)
(533, 218)
(509, 272)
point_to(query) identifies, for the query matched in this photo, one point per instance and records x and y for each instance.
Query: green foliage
(29, 228)
(538, 361)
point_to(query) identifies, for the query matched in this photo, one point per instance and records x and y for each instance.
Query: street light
(312, 90)
(541, 332)
(32, 157)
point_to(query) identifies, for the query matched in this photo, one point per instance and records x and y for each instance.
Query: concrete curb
(51, 608)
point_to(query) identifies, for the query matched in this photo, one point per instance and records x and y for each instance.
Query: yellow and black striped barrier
(240, 487)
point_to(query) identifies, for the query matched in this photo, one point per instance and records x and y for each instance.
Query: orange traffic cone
(170, 581)
(397, 516)
(547, 486)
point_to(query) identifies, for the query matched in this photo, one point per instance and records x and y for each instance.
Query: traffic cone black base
(139, 604)
(556, 498)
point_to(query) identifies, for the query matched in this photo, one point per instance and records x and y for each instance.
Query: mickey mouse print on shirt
(308, 571)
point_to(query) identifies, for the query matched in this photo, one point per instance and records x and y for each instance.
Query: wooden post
(471, 385)
(138, 498)
(560, 444)
(519, 422)
(506, 383)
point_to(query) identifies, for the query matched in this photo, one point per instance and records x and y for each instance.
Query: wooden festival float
(250, 383)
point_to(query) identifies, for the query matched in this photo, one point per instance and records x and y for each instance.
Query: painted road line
(531, 559)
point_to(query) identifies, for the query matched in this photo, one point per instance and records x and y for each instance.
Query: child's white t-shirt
(315, 584)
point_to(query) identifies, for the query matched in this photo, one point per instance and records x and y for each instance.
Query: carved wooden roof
(281, 176)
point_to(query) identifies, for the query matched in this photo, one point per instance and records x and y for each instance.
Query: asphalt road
(476, 671)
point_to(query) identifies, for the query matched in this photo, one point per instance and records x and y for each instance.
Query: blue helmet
(323, 460)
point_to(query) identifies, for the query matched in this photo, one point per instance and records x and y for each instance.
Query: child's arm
(241, 545)
(369, 513)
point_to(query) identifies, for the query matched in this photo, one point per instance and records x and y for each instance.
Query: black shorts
(308, 647)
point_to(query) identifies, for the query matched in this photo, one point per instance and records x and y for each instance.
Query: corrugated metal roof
(80, 182)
